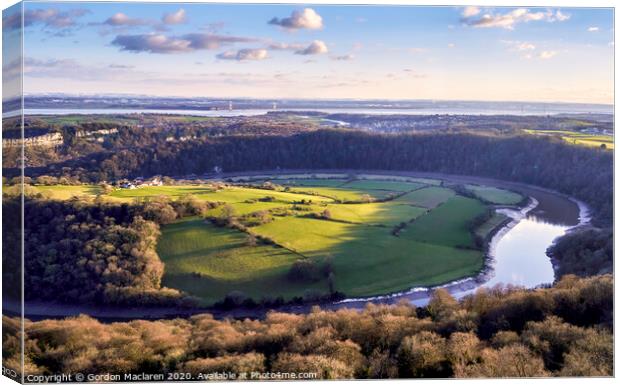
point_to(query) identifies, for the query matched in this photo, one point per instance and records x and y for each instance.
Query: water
(474, 109)
(520, 253)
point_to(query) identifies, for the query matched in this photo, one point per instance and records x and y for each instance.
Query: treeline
(96, 252)
(584, 252)
(565, 330)
(580, 172)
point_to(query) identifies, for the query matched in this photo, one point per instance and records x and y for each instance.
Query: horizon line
(41, 94)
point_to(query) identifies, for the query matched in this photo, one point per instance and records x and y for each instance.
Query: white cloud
(177, 17)
(317, 47)
(345, 57)
(470, 11)
(305, 19)
(512, 18)
(244, 54)
(451, 45)
(49, 18)
(593, 29)
(120, 19)
(519, 45)
(559, 16)
(547, 54)
(159, 43)
(276, 46)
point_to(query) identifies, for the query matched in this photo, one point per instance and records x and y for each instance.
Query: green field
(495, 195)
(66, 192)
(382, 185)
(310, 182)
(344, 194)
(211, 262)
(435, 246)
(491, 224)
(447, 224)
(232, 194)
(428, 197)
(419, 236)
(579, 138)
(389, 213)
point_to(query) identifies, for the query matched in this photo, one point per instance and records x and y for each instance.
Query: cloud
(470, 11)
(159, 43)
(71, 69)
(593, 29)
(120, 19)
(512, 18)
(416, 50)
(305, 19)
(317, 47)
(153, 43)
(121, 66)
(451, 45)
(177, 17)
(559, 16)
(244, 54)
(285, 46)
(519, 45)
(346, 57)
(547, 54)
(49, 18)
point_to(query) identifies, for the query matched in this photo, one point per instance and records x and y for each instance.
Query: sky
(317, 51)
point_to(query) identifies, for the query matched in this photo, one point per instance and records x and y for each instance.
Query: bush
(304, 270)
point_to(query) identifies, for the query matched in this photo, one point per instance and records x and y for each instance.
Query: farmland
(495, 195)
(359, 237)
(579, 138)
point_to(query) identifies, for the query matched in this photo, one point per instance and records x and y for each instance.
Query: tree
(331, 282)
(304, 270)
(227, 214)
(463, 350)
(422, 355)
(510, 361)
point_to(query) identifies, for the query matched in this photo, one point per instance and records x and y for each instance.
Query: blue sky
(295, 51)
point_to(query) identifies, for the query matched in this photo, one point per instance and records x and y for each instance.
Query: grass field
(210, 262)
(436, 244)
(428, 197)
(310, 182)
(447, 224)
(389, 213)
(486, 228)
(230, 195)
(578, 138)
(66, 192)
(382, 185)
(495, 195)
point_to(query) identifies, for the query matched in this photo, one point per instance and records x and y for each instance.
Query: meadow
(579, 138)
(361, 237)
(495, 195)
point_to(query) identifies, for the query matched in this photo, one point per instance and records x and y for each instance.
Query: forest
(565, 330)
(92, 252)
